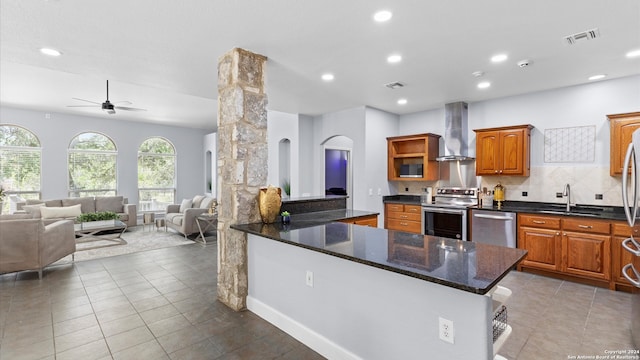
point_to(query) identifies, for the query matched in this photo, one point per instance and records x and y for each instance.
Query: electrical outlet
(559, 195)
(446, 330)
(309, 278)
(370, 192)
(406, 189)
(524, 193)
(379, 192)
(598, 196)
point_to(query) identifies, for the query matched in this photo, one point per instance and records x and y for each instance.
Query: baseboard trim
(310, 338)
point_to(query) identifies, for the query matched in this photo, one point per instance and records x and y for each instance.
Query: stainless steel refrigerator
(630, 197)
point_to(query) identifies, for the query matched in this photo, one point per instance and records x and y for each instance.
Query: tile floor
(160, 304)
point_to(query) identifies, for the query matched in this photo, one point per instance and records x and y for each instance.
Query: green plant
(285, 213)
(3, 193)
(97, 216)
(286, 186)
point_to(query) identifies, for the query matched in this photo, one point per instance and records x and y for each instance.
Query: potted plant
(100, 218)
(286, 217)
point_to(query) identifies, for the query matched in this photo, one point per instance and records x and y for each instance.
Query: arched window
(92, 165)
(20, 162)
(156, 174)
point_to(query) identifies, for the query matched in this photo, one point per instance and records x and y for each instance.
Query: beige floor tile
(32, 351)
(169, 325)
(95, 350)
(121, 325)
(78, 338)
(148, 350)
(159, 313)
(129, 339)
(75, 324)
(181, 339)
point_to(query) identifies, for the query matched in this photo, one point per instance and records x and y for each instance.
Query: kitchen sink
(572, 213)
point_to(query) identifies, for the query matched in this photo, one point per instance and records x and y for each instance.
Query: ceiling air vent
(582, 36)
(394, 85)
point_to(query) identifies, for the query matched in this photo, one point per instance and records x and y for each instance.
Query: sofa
(27, 244)
(182, 217)
(68, 208)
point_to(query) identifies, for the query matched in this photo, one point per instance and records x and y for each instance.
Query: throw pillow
(186, 204)
(110, 203)
(33, 210)
(60, 212)
(206, 202)
(87, 203)
(197, 200)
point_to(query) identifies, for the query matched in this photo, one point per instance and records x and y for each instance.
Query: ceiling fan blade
(124, 102)
(89, 101)
(128, 108)
(91, 106)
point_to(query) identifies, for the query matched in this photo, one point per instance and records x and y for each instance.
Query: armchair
(27, 244)
(182, 218)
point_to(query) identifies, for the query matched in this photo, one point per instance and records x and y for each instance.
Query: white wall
(379, 125)
(349, 123)
(55, 134)
(283, 126)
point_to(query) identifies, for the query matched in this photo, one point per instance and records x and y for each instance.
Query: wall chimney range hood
(455, 133)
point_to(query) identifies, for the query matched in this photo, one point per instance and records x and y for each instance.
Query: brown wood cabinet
(370, 220)
(540, 236)
(622, 126)
(420, 149)
(576, 246)
(403, 217)
(503, 151)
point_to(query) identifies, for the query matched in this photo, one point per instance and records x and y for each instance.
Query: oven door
(444, 222)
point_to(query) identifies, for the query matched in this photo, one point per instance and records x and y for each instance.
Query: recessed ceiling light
(499, 58)
(382, 16)
(484, 85)
(327, 77)
(50, 52)
(633, 53)
(402, 101)
(395, 58)
(597, 77)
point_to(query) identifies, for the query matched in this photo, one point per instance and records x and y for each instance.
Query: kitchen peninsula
(354, 292)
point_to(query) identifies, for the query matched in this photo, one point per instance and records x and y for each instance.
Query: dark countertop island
(463, 265)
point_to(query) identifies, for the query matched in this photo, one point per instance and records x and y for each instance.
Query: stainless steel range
(447, 216)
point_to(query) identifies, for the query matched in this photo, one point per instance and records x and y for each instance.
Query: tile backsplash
(543, 183)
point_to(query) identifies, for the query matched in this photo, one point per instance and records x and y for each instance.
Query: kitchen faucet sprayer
(567, 193)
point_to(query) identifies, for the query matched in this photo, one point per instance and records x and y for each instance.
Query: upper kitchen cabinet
(622, 126)
(503, 150)
(413, 157)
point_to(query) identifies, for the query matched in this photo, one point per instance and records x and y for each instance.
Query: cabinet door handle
(413, 210)
(585, 226)
(496, 171)
(538, 222)
(557, 233)
(403, 216)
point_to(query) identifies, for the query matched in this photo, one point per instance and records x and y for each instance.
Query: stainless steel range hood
(455, 133)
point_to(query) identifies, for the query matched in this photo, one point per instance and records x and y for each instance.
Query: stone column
(242, 165)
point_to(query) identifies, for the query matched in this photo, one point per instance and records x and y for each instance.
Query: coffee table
(88, 232)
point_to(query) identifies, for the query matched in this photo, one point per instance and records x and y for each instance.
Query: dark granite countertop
(402, 199)
(323, 217)
(590, 211)
(463, 265)
(312, 198)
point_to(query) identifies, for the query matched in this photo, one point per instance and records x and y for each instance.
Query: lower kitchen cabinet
(587, 255)
(574, 246)
(543, 246)
(403, 217)
(371, 220)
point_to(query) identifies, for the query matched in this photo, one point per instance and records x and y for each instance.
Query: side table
(148, 218)
(204, 222)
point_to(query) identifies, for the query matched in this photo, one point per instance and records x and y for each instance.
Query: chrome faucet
(567, 193)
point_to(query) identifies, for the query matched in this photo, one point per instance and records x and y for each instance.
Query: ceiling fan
(108, 106)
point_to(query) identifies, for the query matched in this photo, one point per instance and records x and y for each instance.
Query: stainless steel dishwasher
(493, 227)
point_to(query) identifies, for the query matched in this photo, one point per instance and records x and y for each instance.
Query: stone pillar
(242, 165)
